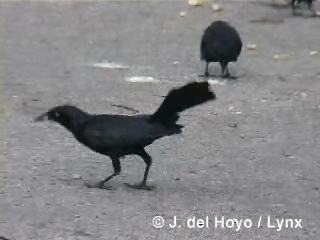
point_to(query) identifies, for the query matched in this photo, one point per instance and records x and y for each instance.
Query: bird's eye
(56, 114)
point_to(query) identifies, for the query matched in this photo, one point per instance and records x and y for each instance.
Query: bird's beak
(42, 117)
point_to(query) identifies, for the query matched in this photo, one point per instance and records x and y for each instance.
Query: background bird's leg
(206, 72)
(224, 69)
(148, 160)
(227, 71)
(117, 170)
(311, 8)
(293, 3)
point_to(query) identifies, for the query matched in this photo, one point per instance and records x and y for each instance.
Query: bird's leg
(293, 7)
(148, 160)
(206, 72)
(293, 3)
(227, 75)
(117, 170)
(225, 71)
(101, 184)
(311, 8)
(223, 68)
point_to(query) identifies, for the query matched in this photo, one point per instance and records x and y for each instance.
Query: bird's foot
(99, 185)
(141, 186)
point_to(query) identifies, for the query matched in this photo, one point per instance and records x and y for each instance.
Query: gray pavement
(253, 152)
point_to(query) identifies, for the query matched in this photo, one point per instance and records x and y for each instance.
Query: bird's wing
(117, 131)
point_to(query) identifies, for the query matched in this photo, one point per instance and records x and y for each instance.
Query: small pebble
(288, 155)
(233, 125)
(313, 53)
(252, 47)
(196, 3)
(77, 176)
(183, 14)
(304, 95)
(217, 8)
(282, 57)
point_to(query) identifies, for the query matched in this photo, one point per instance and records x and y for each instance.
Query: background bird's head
(67, 115)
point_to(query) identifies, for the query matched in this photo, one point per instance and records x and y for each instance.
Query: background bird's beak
(42, 117)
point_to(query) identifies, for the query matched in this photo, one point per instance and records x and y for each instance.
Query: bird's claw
(140, 186)
(102, 186)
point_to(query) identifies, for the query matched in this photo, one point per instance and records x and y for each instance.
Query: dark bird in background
(3, 238)
(220, 43)
(308, 2)
(120, 135)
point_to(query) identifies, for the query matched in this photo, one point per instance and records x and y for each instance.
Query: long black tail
(179, 99)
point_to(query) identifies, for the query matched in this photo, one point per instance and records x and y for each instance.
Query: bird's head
(66, 115)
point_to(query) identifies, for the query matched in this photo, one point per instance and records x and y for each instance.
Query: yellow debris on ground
(196, 3)
(282, 57)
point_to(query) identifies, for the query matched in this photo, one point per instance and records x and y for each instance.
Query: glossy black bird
(120, 135)
(220, 43)
(308, 2)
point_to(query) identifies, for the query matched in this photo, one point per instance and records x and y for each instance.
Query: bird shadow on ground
(219, 78)
(171, 189)
(305, 15)
(273, 5)
(85, 183)
(125, 186)
(268, 19)
(95, 184)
